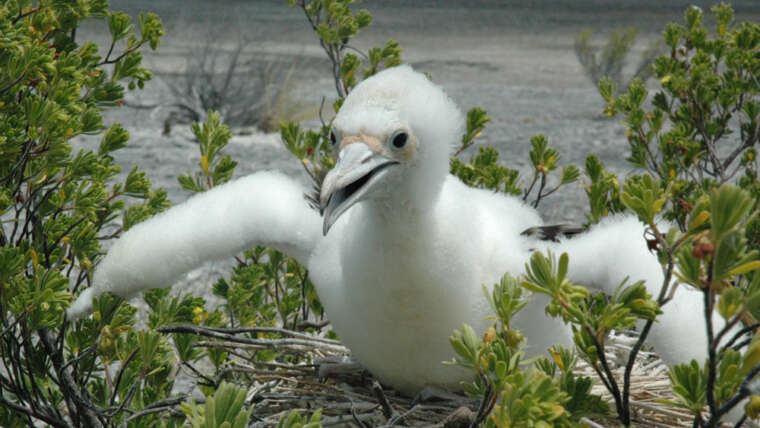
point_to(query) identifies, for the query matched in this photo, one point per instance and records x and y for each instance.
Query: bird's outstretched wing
(616, 249)
(260, 209)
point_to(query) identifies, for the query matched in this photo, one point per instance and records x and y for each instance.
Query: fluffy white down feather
(210, 226)
(403, 268)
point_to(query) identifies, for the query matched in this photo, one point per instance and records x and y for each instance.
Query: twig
(388, 410)
(711, 345)
(727, 328)
(158, 406)
(486, 405)
(739, 334)
(530, 188)
(31, 413)
(540, 190)
(126, 400)
(744, 392)
(311, 324)
(356, 419)
(14, 83)
(121, 373)
(107, 59)
(21, 16)
(321, 108)
(18, 319)
(295, 345)
(210, 381)
(228, 334)
(741, 420)
(400, 417)
(68, 385)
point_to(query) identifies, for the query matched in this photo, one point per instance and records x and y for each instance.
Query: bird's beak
(358, 170)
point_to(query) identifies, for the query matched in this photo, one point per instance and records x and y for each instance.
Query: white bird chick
(403, 248)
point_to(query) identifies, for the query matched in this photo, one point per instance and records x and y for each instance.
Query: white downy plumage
(403, 267)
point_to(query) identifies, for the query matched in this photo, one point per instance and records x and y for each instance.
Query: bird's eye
(333, 137)
(399, 140)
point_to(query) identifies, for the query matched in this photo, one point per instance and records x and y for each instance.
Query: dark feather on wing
(312, 197)
(553, 232)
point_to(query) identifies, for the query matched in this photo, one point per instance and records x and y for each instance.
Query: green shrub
(696, 148)
(56, 206)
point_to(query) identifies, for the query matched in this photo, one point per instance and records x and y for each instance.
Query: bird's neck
(402, 213)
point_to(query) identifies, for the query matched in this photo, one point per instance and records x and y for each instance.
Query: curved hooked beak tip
(358, 170)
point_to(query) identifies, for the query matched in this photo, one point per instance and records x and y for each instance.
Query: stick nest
(314, 372)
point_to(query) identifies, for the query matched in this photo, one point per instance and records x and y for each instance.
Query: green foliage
(57, 206)
(696, 138)
(312, 148)
(591, 316)
(222, 410)
(644, 196)
(702, 126)
(268, 288)
(544, 160)
(295, 420)
(536, 396)
(689, 383)
(477, 118)
(335, 24)
(603, 190)
(485, 171)
(215, 167)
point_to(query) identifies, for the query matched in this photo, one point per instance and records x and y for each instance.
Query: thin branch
(744, 392)
(611, 383)
(711, 345)
(14, 83)
(464, 147)
(159, 406)
(120, 57)
(192, 368)
(726, 328)
(486, 405)
(662, 299)
(121, 373)
(18, 319)
(739, 334)
(530, 188)
(126, 400)
(69, 387)
(192, 328)
(21, 16)
(388, 411)
(31, 413)
(540, 190)
(299, 343)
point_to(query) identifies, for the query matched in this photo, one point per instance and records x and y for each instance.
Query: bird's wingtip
(82, 306)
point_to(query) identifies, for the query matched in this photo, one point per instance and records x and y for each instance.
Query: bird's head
(393, 137)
